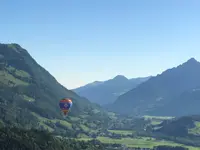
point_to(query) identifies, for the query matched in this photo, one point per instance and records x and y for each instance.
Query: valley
(29, 97)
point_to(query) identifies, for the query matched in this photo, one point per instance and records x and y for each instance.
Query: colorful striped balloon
(65, 105)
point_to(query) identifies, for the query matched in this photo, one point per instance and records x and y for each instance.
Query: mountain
(188, 102)
(182, 126)
(160, 93)
(105, 92)
(183, 130)
(29, 95)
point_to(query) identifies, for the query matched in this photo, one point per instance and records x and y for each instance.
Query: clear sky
(80, 41)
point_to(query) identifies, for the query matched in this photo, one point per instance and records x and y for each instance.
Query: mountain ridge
(105, 92)
(161, 89)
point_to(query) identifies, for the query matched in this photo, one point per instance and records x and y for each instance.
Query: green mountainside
(16, 139)
(29, 96)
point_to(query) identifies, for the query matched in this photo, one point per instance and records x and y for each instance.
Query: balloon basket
(64, 115)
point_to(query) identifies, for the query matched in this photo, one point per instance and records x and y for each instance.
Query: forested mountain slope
(29, 95)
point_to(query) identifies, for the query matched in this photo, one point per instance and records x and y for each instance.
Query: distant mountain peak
(15, 47)
(192, 60)
(105, 92)
(120, 77)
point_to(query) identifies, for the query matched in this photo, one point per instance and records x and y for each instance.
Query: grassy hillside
(13, 138)
(29, 96)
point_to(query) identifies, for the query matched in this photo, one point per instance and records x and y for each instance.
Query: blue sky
(80, 41)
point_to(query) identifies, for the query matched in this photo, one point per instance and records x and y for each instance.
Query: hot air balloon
(65, 105)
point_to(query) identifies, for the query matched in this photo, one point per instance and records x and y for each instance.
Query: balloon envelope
(65, 105)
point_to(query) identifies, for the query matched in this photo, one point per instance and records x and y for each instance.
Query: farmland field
(143, 142)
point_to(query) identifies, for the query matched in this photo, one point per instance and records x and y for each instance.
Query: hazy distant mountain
(174, 88)
(104, 92)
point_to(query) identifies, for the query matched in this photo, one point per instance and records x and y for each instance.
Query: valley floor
(142, 142)
(139, 141)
